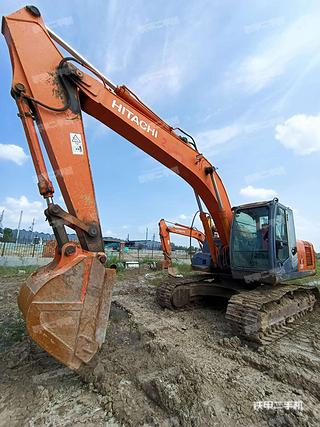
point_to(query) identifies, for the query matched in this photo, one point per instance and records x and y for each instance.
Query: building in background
(144, 244)
(113, 243)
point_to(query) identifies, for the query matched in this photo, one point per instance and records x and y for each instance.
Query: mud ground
(159, 368)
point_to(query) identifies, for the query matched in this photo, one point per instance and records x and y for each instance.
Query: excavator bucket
(66, 306)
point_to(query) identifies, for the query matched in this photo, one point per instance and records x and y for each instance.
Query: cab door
(285, 243)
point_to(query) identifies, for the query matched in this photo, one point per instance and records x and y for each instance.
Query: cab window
(281, 235)
(250, 242)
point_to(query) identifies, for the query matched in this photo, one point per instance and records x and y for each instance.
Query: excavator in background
(66, 303)
(164, 232)
(200, 260)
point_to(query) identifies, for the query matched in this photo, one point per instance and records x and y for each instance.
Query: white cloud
(151, 55)
(158, 172)
(118, 55)
(183, 216)
(262, 25)
(210, 140)
(13, 152)
(276, 54)
(258, 176)
(169, 78)
(31, 209)
(163, 72)
(254, 193)
(301, 133)
(161, 23)
(108, 233)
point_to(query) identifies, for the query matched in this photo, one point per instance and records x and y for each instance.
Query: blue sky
(241, 76)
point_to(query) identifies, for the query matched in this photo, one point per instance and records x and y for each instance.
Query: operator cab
(263, 246)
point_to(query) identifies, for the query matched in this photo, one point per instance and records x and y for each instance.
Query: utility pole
(146, 237)
(1, 224)
(19, 225)
(153, 238)
(1, 219)
(31, 229)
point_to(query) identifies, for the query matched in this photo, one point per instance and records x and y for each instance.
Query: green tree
(8, 235)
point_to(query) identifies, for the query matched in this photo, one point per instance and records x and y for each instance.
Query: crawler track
(171, 293)
(267, 313)
(261, 315)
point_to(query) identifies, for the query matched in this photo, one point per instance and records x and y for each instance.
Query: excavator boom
(45, 77)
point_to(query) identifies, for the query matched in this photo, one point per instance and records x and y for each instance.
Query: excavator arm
(183, 230)
(66, 303)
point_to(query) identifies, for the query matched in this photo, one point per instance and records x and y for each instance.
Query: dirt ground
(159, 368)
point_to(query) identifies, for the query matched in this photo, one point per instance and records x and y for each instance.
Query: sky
(241, 76)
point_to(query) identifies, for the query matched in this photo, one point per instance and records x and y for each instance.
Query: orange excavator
(66, 303)
(201, 260)
(164, 232)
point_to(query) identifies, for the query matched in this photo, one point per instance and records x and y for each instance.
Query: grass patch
(17, 271)
(182, 268)
(12, 330)
(112, 259)
(146, 260)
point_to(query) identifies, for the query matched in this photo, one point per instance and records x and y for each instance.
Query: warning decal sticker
(76, 143)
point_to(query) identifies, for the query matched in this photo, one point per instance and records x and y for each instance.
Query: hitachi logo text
(134, 118)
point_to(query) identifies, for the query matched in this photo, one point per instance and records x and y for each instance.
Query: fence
(142, 255)
(21, 249)
(47, 250)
